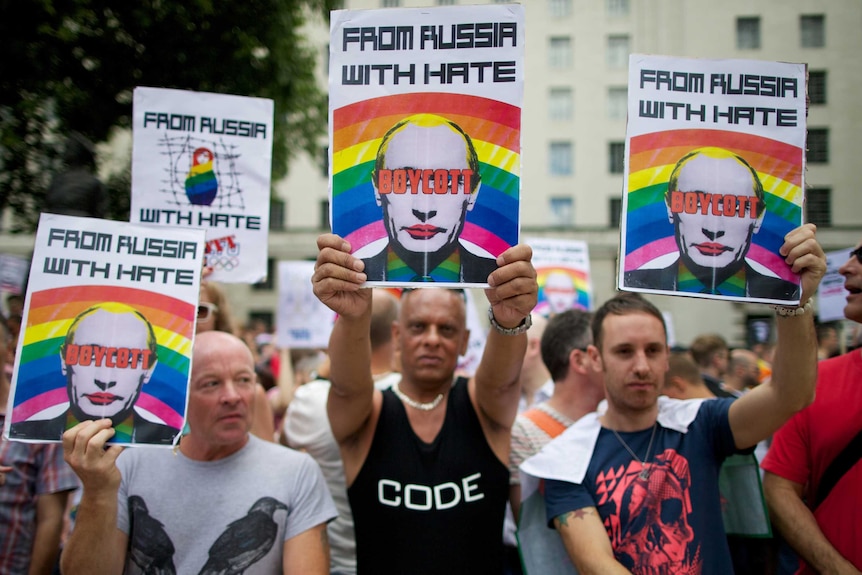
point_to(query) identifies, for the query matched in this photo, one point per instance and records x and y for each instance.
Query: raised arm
(337, 280)
(494, 388)
(760, 412)
(799, 527)
(96, 544)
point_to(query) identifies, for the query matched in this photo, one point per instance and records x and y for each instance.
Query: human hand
(514, 291)
(338, 277)
(86, 452)
(804, 255)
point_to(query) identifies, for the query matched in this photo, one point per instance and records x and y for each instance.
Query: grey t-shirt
(229, 515)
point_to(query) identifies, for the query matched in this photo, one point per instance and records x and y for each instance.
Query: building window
(812, 31)
(817, 87)
(560, 54)
(561, 159)
(616, 157)
(818, 206)
(390, 3)
(615, 208)
(445, 2)
(560, 8)
(617, 7)
(324, 215)
(617, 103)
(277, 209)
(269, 283)
(748, 33)
(267, 317)
(818, 146)
(618, 51)
(560, 104)
(562, 211)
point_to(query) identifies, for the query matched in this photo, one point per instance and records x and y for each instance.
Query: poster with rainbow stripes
(107, 331)
(204, 160)
(425, 139)
(714, 177)
(563, 274)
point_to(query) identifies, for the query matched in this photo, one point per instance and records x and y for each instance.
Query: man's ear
(471, 200)
(63, 367)
(149, 373)
(579, 360)
(595, 357)
(396, 332)
(755, 227)
(669, 212)
(465, 343)
(376, 193)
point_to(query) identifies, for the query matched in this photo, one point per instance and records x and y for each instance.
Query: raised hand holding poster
(107, 331)
(205, 160)
(425, 132)
(715, 158)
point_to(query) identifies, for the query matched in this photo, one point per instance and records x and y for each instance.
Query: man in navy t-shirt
(634, 488)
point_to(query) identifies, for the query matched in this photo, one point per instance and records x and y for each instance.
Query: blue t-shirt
(671, 521)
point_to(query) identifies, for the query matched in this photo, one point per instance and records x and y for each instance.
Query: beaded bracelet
(783, 311)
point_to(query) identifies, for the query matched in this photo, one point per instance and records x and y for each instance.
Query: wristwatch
(517, 330)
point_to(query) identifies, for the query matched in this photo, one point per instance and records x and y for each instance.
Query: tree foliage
(73, 65)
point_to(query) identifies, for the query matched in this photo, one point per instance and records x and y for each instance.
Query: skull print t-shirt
(663, 517)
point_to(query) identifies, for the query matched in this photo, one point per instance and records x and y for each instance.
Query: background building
(575, 119)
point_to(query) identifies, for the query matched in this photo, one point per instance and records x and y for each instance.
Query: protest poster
(714, 166)
(13, 272)
(204, 160)
(831, 295)
(469, 362)
(563, 275)
(425, 139)
(303, 321)
(107, 332)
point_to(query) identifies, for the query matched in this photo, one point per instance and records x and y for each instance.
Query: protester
(636, 486)
(35, 484)
(306, 427)
(425, 462)
(712, 354)
(224, 502)
(813, 470)
(214, 314)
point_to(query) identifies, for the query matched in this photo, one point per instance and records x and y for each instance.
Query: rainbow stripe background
(494, 127)
(580, 279)
(41, 383)
(650, 235)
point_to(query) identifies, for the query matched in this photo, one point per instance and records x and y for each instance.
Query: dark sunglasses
(858, 253)
(206, 311)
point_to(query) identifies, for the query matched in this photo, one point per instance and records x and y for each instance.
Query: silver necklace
(644, 474)
(417, 404)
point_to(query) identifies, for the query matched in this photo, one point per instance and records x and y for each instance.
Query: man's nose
(641, 367)
(424, 216)
(104, 385)
(712, 235)
(230, 392)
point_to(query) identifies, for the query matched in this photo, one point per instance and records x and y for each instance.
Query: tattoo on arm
(578, 514)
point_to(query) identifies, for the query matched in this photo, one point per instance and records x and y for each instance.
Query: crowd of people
(582, 443)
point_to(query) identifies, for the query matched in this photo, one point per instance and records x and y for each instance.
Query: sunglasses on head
(858, 253)
(206, 311)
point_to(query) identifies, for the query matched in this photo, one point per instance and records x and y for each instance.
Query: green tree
(73, 65)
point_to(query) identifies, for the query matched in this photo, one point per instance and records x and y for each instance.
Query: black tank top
(434, 509)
